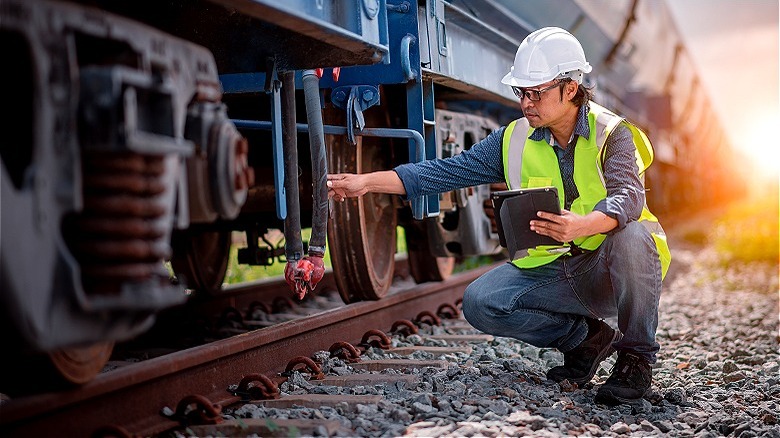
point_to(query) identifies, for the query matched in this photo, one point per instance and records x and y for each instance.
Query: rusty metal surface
(244, 295)
(133, 397)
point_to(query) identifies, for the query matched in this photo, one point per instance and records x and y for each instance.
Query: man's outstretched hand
(350, 185)
(345, 185)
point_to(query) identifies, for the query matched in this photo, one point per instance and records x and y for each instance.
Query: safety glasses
(531, 94)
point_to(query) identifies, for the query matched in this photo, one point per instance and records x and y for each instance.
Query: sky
(734, 44)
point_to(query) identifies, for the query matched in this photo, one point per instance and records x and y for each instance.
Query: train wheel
(361, 234)
(201, 257)
(422, 264)
(31, 373)
(80, 365)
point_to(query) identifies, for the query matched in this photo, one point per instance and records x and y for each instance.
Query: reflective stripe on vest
(606, 121)
(514, 155)
(515, 141)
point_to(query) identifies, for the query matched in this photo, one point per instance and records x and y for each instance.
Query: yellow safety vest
(531, 163)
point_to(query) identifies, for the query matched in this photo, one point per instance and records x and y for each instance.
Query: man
(616, 253)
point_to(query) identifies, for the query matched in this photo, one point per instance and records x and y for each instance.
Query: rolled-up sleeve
(625, 191)
(480, 164)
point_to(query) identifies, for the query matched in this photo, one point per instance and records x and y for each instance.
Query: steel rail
(244, 294)
(133, 397)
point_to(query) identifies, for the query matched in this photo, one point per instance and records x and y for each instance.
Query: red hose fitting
(303, 275)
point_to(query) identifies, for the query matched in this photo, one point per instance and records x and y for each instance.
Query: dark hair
(584, 94)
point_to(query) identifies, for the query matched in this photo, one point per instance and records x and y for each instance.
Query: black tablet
(515, 209)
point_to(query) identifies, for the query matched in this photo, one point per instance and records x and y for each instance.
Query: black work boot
(630, 380)
(581, 363)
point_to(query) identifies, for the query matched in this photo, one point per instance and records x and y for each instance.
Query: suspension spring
(121, 233)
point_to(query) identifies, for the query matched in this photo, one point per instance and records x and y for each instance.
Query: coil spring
(121, 234)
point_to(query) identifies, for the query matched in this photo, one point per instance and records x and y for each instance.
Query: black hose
(293, 246)
(319, 164)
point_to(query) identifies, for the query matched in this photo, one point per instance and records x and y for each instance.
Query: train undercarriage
(123, 156)
(151, 131)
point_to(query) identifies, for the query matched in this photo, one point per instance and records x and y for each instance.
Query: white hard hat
(546, 54)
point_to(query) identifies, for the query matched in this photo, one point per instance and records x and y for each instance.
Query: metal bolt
(368, 95)
(339, 95)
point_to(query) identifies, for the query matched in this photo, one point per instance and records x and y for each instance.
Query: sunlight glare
(761, 145)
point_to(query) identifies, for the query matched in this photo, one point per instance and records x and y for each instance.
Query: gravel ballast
(718, 374)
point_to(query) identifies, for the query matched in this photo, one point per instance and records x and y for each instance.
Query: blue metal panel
(403, 68)
(420, 117)
(429, 126)
(242, 83)
(358, 26)
(413, 136)
(402, 21)
(339, 130)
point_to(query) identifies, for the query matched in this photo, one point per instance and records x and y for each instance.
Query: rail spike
(459, 303)
(314, 370)
(205, 412)
(280, 304)
(254, 306)
(426, 316)
(404, 326)
(230, 317)
(447, 311)
(345, 351)
(266, 390)
(383, 342)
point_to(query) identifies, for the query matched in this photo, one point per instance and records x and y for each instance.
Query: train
(152, 131)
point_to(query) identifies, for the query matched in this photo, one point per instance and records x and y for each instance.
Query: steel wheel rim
(202, 258)
(80, 365)
(361, 235)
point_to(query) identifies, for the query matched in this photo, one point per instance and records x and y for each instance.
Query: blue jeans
(547, 306)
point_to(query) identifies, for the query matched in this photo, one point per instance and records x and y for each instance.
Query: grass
(237, 273)
(745, 249)
(474, 262)
(748, 231)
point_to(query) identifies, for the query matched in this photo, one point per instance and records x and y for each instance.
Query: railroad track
(133, 399)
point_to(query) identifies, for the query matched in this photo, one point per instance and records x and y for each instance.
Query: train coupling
(304, 274)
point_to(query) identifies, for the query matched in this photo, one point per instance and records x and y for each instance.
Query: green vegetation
(748, 231)
(400, 244)
(474, 262)
(237, 273)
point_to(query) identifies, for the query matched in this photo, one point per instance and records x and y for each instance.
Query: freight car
(151, 130)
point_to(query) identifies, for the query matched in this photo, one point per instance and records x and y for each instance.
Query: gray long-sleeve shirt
(482, 164)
